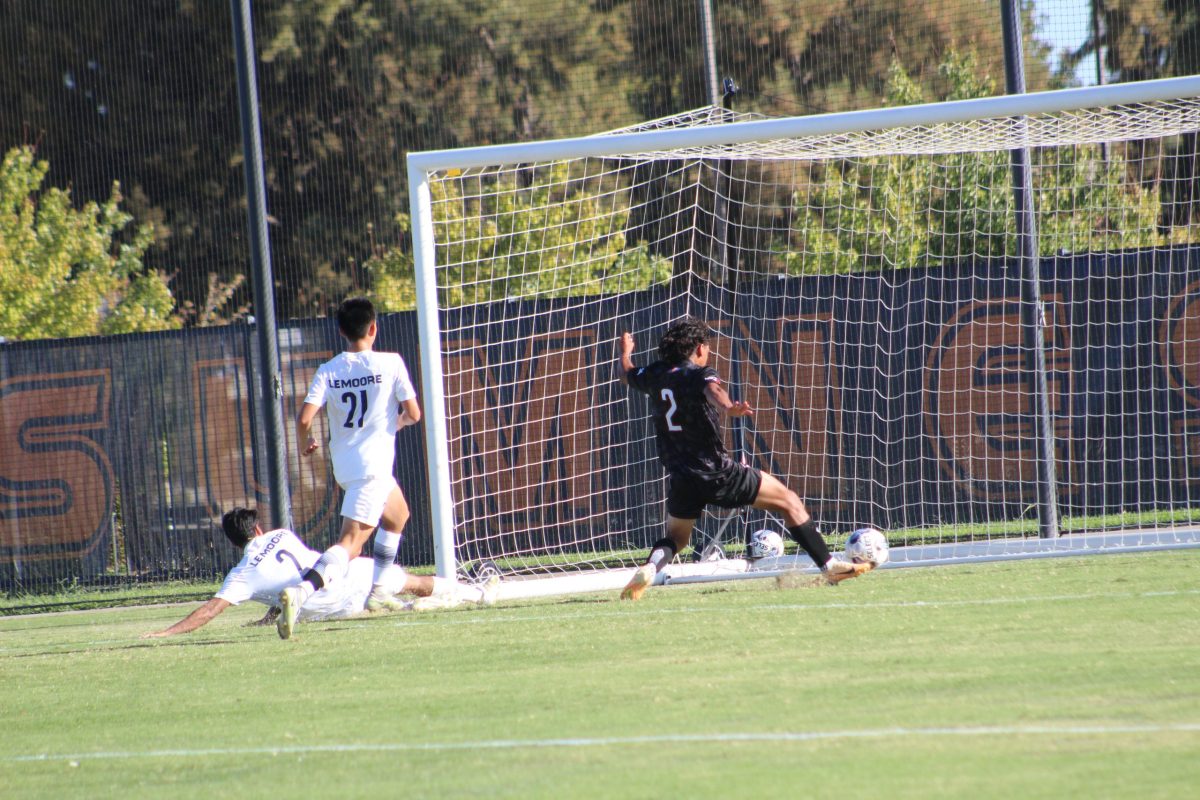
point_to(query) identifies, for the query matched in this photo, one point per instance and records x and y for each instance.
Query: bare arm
(718, 398)
(197, 619)
(626, 344)
(304, 423)
(410, 413)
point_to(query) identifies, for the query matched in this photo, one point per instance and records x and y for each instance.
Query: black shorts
(688, 494)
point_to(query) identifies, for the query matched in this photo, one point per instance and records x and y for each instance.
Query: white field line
(618, 741)
(496, 616)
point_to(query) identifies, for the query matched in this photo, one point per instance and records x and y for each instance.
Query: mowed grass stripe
(470, 616)
(617, 741)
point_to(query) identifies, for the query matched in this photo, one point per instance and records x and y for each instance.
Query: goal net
(863, 273)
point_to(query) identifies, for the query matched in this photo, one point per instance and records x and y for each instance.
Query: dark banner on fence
(118, 455)
(898, 400)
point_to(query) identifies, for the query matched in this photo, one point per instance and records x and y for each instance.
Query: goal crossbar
(926, 114)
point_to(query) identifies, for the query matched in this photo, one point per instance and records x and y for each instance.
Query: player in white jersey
(274, 560)
(368, 397)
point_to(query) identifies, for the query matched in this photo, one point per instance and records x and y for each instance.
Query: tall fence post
(1033, 310)
(720, 258)
(260, 264)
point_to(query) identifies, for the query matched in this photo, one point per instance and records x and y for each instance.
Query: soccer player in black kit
(689, 398)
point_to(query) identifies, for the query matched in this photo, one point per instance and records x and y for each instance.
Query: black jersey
(686, 424)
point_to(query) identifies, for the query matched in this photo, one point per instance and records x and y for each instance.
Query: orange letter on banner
(1177, 337)
(797, 409)
(56, 483)
(978, 408)
(522, 452)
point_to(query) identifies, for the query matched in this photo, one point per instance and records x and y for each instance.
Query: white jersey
(362, 393)
(270, 563)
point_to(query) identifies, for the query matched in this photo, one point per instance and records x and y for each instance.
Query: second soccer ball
(867, 545)
(765, 544)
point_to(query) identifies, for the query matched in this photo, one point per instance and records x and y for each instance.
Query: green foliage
(67, 271)
(500, 238)
(145, 91)
(908, 211)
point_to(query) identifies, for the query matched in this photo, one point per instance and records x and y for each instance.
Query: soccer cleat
(836, 571)
(436, 601)
(641, 580)
(382, 600)
(488, 590)
(289, 612)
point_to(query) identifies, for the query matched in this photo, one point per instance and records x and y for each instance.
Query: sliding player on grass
(274, 560)
(688, 398)
(368, 397)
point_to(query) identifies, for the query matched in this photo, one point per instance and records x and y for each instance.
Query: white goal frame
(672, 140)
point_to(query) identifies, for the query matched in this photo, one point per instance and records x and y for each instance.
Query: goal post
(870, 312)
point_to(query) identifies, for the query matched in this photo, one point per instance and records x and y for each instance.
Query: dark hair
(238, 525)
(682, 338)
(354, 316)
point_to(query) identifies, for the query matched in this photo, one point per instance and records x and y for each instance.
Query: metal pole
(1033, 310)
(1097, 14)
(710, 53)
(260, 266)
(719, 271)
(437, 446)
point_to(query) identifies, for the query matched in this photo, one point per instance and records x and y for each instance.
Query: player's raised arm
(719, 399)
(626, 346)
(197, 619)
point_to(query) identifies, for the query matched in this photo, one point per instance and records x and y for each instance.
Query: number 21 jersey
(362, 393)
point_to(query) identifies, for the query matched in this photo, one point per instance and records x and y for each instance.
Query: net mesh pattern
(868, 298)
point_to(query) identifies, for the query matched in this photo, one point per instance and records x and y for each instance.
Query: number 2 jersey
(362, 393)
(270, 563)
(686, 424)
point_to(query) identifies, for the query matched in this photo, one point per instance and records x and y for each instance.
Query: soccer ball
(867, 545)
(765, 544)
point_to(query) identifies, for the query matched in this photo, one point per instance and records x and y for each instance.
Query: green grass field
(1049, 678)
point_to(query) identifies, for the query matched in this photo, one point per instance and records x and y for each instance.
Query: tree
(901, 212)
(71, 272)
(144, 92)
(541, 235)
(141, 93)
(809, 56)
(1143, 40)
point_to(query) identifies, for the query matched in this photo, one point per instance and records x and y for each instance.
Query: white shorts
(348, 597)
(365, 500)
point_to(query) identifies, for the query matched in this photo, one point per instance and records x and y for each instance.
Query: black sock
(662, 553)
(809, 538)
(316, 579)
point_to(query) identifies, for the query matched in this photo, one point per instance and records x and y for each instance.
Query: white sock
(331, 566)
(384, 552)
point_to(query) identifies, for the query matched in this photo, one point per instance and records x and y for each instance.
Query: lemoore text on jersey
(350, 383)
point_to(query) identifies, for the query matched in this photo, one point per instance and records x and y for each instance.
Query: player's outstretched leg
(489, 590)
(445, 593)
(643, 576)
(380, 601)
(836, 570)
(289, 611)
(661, 554)
(387, 544)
